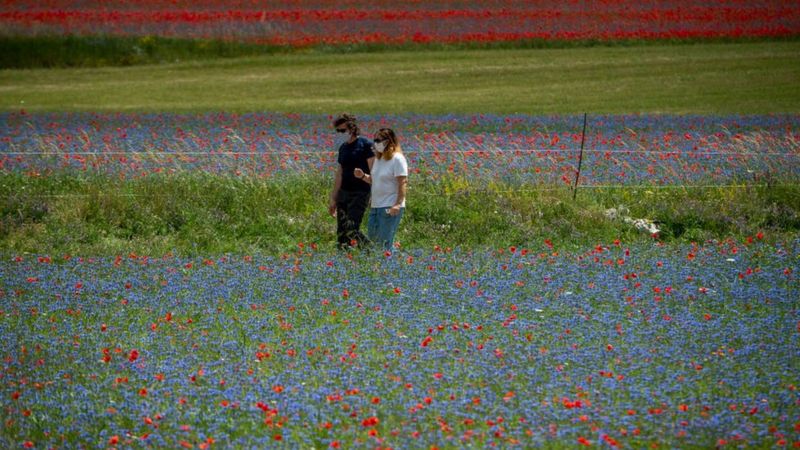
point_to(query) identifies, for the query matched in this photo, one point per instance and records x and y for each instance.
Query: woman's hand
(394, 210)
(365, 177)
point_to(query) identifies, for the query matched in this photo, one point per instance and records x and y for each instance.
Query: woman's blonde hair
(392, 145)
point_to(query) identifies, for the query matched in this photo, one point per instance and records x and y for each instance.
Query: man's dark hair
(350, 121)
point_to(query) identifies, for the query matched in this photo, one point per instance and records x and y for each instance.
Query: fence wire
(461, 192)
(793, 152)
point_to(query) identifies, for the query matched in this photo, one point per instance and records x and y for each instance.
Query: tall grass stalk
(200, 214)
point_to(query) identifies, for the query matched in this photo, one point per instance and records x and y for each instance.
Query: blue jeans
(382, 227)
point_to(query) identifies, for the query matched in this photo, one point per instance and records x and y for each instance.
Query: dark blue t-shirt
(352, 155)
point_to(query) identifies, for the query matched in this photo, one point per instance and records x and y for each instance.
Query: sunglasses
(341, 130)
(378, 141)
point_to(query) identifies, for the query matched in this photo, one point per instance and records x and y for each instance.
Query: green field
(197, 214)
(85, 213)
(713, 78)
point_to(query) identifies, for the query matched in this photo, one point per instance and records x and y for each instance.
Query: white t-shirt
(384, 175)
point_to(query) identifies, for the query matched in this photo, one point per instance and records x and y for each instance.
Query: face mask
(341, 138)
(379, 147)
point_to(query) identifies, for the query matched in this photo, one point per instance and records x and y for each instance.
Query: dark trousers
(350, 208)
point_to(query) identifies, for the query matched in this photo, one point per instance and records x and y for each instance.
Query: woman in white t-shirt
(389, 178)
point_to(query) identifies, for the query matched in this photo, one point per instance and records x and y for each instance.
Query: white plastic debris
(621, 213)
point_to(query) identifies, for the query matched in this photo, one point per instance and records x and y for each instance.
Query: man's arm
(337, 184)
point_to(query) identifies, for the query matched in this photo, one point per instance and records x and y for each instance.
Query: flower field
(311, 22)
(169, 280)
(520, 150)
(645, 346)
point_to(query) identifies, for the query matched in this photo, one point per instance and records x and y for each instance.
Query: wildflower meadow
(600, 246)
(520, 149)
(308, 22)
(650, 346)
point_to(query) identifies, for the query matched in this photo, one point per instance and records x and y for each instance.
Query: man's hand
(358, 173)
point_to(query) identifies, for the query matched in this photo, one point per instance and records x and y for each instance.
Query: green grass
(99, 51)
(716, 78)
(69, 214)
(200, 214)
(25, 52)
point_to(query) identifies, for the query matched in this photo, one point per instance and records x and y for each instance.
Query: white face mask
(379, 147)
(341, 139)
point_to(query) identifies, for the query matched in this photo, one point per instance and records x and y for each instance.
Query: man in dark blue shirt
(350, 196)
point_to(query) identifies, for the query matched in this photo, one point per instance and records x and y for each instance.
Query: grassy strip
(20, 52)
(753, 78)
(28, 52)
(200, 214)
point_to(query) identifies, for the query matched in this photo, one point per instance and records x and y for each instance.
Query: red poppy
(370, 421)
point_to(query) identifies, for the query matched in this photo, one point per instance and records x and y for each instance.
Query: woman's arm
(365, 177)
(402, 183)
